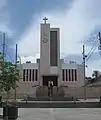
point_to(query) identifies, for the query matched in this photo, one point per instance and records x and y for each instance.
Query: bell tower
(49, 53)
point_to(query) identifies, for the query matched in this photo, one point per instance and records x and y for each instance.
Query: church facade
(50, 66)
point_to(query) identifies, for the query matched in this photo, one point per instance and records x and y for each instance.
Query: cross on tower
(45, 19)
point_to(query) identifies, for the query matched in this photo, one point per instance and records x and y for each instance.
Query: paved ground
(93, 103)
(59, 114)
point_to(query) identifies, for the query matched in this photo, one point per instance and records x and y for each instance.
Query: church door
(46, 80)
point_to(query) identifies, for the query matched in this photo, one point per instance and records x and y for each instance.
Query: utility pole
(3, 45)
(84, 56)
(99, 38)
(3, 52)
(15, 66)
(99, 48)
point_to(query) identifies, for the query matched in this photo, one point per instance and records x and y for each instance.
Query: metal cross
(45, 19)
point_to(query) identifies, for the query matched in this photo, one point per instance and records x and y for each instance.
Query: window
(30, 75)
(53, 48)
(63, 74)
(69, 75)
(24, 75)
(36, 75)
(66, 76)
(33, 75)
(27, 75)
(72, 75)
(75, 75)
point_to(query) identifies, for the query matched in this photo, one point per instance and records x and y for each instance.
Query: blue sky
(21, 11)
(78, 20)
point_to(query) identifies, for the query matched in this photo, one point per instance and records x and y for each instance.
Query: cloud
(5, 27)
(76, 24)
(29, 41)
(4, 17)
(74, 57)
(95, 65)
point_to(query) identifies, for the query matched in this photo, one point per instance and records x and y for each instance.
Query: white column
(25, 75)
(67, 75)
(29, 75)
(64, 74)
(71, 74)
(74, 75)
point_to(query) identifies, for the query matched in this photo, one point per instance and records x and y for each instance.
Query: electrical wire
(91, 54)
(9, 55)
(91, 49)
(100, 53)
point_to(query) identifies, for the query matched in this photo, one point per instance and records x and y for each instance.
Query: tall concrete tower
(49, 54)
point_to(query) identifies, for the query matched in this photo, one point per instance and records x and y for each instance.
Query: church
(50, 66)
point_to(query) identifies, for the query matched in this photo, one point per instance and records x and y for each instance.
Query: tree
(9, 75)
(96, 74)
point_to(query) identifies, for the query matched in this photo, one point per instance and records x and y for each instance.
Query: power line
(100, 53)
(91, 54)
(99, 48)
(91, 49)
(9, 55)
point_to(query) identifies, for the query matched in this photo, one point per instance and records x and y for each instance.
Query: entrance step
(53, 98)
(42, 91)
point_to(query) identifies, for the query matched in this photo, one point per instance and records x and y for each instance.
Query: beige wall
(79, 92)
(45, 50)
(44, 67)
(24, 88)
(81, 81)
(80, 75)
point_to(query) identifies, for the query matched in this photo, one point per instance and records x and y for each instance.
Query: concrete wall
(27, 87)
(79, 92)
(80, 75)
(24, 88)
(80, 72)
(45, 49)
(30, 65)
(58, 71)
(45, 68)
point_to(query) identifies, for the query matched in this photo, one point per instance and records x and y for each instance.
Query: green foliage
(96, 74)
(9, 75)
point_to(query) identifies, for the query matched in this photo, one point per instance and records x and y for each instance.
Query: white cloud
(75, 24)
(95, 65)
(29, 58)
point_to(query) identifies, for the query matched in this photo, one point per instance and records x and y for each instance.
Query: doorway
(46, 80)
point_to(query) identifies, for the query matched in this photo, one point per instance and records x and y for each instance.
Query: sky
(79, 22)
